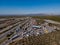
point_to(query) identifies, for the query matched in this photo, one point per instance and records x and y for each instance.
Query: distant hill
(30, 15)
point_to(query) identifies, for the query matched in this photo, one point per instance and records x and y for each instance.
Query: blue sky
(29, 6)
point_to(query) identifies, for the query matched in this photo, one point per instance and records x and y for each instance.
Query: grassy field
(55, 18)
(52, 38)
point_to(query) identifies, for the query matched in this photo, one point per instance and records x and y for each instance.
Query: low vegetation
(55, 18)
(2, 40)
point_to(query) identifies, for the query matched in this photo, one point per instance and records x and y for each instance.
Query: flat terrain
(35, 30)
(52, 38)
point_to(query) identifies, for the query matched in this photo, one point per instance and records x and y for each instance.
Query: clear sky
(29, 6)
